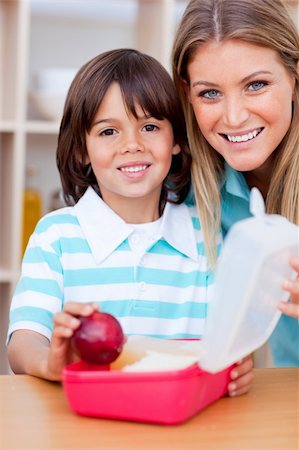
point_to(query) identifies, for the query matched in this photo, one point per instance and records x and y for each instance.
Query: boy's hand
(65, 323)
(291, 308)
(241, 376)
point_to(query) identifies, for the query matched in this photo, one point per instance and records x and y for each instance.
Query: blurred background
(42, 45)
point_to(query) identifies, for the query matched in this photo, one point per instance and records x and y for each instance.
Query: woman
(235, 65)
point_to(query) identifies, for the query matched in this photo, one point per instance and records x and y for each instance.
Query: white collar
(105, 230)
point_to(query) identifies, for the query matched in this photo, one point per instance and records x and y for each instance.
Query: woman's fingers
(289, 308)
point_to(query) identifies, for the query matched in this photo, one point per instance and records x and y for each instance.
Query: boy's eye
(150, 127)
(211, 94)
(108, 132)
(257, 85)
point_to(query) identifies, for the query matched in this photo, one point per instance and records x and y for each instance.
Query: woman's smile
(243, 136)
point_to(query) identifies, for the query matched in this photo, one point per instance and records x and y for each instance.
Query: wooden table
(34, 414)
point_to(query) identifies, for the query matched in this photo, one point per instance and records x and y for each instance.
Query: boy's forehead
(137, 98)
(140, 111)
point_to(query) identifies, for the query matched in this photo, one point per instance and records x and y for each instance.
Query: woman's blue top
(284, 341)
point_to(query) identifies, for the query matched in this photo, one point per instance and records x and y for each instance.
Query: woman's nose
(236, 112)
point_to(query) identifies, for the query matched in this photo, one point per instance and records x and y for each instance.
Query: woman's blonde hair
(264, 23)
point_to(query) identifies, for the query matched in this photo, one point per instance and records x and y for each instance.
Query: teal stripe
(124, 246)
(172, 336)
(34, 255)
(117, 275)
(152, 308)
(196, 223)
(58, 219)
(88, 277)
(126, 275)
(32, 314)
(71, 245)
(162, 247)
(172, 277)
(42, 285)
(201, 249)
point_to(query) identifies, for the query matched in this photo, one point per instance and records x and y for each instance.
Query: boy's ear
(186, 89)
(176, 149)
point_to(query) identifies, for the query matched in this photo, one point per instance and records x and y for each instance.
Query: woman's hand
(291, 308)
(65, 323)
(241, 376)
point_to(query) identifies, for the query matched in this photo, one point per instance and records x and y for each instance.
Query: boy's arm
(31, 353)
(28, 353)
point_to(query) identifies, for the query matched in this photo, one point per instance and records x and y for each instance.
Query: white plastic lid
(248, 285)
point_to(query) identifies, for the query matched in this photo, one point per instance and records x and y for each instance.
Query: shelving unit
(66, 33)
(37, 34)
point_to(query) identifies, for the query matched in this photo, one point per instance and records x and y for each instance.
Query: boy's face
(129, 157)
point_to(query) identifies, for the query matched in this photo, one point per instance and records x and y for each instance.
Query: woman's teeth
(133, 168)
(244, 137)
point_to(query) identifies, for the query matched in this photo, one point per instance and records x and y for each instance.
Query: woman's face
(241, 95)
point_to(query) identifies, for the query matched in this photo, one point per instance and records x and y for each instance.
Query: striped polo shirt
(83, 254)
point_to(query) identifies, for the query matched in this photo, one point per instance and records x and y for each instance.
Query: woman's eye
(150, 127)
(108, 132)
(257, 85)
(211, 94)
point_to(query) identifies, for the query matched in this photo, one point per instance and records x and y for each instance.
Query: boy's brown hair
(143, 82)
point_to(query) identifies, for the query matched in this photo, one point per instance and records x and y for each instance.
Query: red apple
(99, 339)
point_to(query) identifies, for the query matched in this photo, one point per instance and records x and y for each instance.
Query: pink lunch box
(168, 397)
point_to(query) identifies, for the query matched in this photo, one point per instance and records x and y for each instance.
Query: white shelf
(41, 127)
(37, 34)
(7, 276)
(7, 126)
(103, 10)
(30, 126)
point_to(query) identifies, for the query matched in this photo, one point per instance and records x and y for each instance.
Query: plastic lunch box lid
(252, 266)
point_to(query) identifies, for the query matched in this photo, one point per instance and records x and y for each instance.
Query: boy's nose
(134, 147)
(133, 144)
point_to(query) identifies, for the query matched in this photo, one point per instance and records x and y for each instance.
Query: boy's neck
(136, 210)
